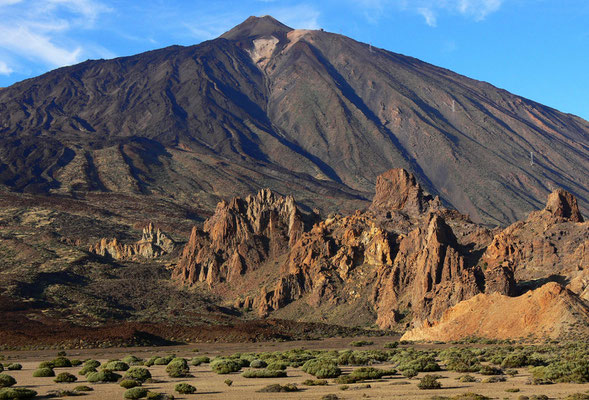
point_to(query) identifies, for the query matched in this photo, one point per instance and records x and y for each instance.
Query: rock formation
(154, 243)
(240, 236)
(550, 311)
(402, 263)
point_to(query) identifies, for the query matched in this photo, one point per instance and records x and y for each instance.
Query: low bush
(6, 381)
(135, 393)
(563, 371)
(322, 368)
(409, 373)
(138, 373)
(159, 360)
(92, 363)
(494, 379)
(258, 364)
(277, 365)
(196, 361)
(315, 382)
(76, 362)
(86, 370)
(159, 396)
(132, 360)
(490, 370)
(129, 383)
(61, 362)
(577, 396)
(228, 382)
(83, 388)
(364, 373)
(102, 376)
(178, 368)
(512, 390)
(45, 364)
(17, 394)
(361, 343)
(429, 382)
(115, 365)
(185, 388)
(330, 396)
(225, 366)
(466, 378)
(65, 377)
(43, 373)
(14, 367)
(263, 373)
(277, 388)
(391, 345)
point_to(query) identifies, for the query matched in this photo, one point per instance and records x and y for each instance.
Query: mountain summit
(303, 112)
(254, 27)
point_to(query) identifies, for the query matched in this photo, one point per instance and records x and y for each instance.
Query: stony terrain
(305, 113)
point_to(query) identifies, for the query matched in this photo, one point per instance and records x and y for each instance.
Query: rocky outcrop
(550, 242)
(154, 243)
(239, 237)
(563, 204)
(550, 311)
(398, 189)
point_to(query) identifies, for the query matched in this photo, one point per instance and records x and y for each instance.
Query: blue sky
(535, 48)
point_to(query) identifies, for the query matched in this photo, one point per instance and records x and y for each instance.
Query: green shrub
(277, 388)
(516, 360)
(577, 396)
(86, 370)
(196, 361)
(92, 363)
(132, 360)
(277, 365)
(17, 394)
(224, 366)
(45, 364)
(228, 382)
(43, 373)
(160, 360)
(76, 362)
(129, 383)
(263, 373)
(391, 345)
(361, 343)
(159, 396)
(315, 382)
(322, 368)
(115, 365)
(138, 373)
(135, 393)
(6, 381)
(429, 382)
(330, 396)
(178, 368)
(489, 370)
(563, 371)
(103, 376)
(512, 390)
(466, 378)
(184, 388)
(83, 388)
(258, 364)
(65, 377)
(494, 379)
(409, 373)
(14, 367)
(364, 373)
(61, 362)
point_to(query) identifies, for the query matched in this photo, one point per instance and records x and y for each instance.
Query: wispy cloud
(38, 30)
(5, 69)
(430, 10)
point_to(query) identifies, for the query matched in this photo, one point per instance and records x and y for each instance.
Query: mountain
(302, 112)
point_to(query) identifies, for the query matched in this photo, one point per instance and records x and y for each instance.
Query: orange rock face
(153, 243)
(404, 262)
(240, 236)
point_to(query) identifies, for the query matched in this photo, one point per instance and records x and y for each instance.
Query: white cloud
(5, 69)
(40, 30)
(428, 14)
(431, 9)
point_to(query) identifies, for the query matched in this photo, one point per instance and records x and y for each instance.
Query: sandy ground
(211, 386)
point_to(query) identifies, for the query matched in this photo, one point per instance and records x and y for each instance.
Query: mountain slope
(307, 113)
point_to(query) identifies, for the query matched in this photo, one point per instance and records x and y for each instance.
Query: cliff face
(403, 262)
(241, 235)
